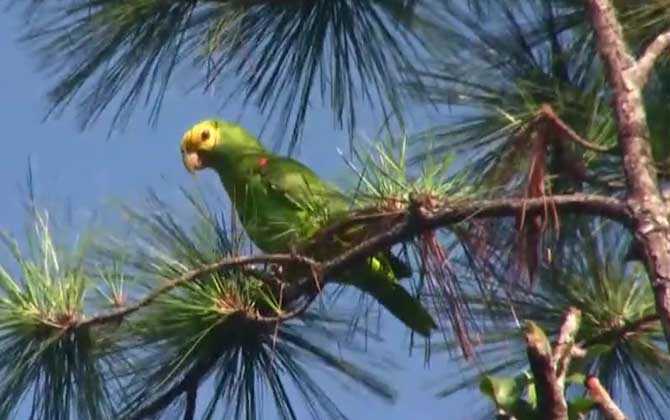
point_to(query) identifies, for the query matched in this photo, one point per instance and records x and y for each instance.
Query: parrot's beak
(192, 161)
(189, 153)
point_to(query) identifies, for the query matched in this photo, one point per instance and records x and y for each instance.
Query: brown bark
(550, 366)
(563, 349)
(550, 397)
(604, 402)
(647, 208)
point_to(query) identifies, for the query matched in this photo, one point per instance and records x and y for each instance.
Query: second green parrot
(282, 204)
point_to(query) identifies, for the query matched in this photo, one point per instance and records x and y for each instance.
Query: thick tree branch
(551, 398)
(648, 210)
(646, 62)
(606, 405)
(418, 220)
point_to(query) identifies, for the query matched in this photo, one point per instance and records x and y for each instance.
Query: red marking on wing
(262, 162)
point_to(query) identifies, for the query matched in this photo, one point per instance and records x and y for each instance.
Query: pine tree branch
(549, 368)
(651, 226)
(418, 220)
(225, 263)
(606, 405)
(415, 220)
(646, 62)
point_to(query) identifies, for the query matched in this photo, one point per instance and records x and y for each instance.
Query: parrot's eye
(204, 136)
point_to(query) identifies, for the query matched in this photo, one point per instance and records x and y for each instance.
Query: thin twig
(548, 112)
(229, 262)
(646, 62)
(285, 316)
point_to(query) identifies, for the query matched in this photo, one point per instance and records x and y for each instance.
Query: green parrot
(282, 203)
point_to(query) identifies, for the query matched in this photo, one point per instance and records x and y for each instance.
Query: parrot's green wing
(300, 185)
(378, 277)
(280, 202)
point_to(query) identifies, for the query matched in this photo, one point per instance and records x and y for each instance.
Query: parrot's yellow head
(198, 142)
(216, 143)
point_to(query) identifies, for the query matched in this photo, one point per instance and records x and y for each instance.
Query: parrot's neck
(233, 167)
(229, 157)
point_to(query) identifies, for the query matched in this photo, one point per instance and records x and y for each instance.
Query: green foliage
(494, 72)
(385, 177)
(63, 371)
(508, 394)
(282, 54)
(208, 331)
(388, 185)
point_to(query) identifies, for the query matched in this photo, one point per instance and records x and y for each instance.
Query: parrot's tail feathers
(400, 303)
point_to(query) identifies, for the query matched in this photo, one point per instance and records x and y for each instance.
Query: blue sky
(87, 171)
